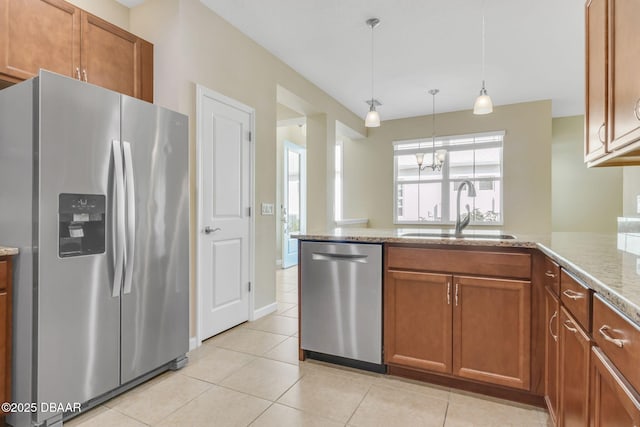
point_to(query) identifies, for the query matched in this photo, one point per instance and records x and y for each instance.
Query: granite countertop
(609, 263)
(4, 251)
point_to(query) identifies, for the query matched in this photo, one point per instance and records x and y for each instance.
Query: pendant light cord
(483, 51)
(372, 101)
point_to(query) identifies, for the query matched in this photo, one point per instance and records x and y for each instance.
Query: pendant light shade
(483, 104)
(373, 117)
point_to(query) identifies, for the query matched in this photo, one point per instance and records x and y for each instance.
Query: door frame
(286, 146)
(201, 92)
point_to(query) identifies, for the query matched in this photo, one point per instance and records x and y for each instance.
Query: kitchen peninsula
(522, 317)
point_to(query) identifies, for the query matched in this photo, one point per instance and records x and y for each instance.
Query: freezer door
(155, 306)
(77, 342)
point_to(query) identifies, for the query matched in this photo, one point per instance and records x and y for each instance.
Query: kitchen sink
(485, 236)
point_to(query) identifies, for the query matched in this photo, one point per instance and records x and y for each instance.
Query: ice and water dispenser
(81, 230)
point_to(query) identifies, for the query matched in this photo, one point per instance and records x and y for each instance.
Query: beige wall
(193, 45)
(631, 191)
(109, 10)
(583, 199)
(368, 163)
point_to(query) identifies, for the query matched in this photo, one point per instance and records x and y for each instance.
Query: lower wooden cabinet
(575, 353)
(418, 320)
(492, 330)
(552, 353)
(614, 402)
(470, 327)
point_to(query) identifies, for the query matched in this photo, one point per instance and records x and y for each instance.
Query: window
(338, 181)
(429, 197)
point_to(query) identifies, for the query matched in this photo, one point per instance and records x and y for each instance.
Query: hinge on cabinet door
(250, 137)
(249, 211)
(249, 286)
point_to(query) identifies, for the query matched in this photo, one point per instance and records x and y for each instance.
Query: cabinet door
(614, 403)
(552, 318)
(596, 79)
(38, 34)
(110, 56)
(492, 330)
(575, 347)
(417, 320)
(624, 61)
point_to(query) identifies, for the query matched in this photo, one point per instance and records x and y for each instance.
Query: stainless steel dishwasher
(341, 303)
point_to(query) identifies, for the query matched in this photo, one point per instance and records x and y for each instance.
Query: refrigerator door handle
(120, 218)
(131, 217)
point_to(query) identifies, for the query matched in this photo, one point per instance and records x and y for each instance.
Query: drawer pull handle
(78, 73)
(549, 274)
(615, 341)
(636, 110)
(448, 293)
(569, 325)
(602, 127)
(555, 337)
(573, 294)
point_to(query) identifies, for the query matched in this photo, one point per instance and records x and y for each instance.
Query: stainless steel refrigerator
(94, 192)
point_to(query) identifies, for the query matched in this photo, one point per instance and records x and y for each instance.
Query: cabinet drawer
(552, 275)
(3, 275)
(618, 338)
(481, 263)
(577, 298)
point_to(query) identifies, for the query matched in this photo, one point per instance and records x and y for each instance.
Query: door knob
(209, 230)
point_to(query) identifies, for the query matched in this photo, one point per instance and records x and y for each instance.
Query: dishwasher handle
(320, 256)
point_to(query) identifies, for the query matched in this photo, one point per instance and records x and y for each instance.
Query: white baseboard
(193, 343)
(263, 311)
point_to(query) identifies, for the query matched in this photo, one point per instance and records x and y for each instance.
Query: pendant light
(373, 118)
(437, 157)
(483, 104)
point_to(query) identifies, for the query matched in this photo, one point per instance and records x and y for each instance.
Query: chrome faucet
(461, 224)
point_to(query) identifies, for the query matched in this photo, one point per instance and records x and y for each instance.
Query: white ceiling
(130, 3)
(534, 49)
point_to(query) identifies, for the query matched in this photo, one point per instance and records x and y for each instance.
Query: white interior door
(293, 201)
(224, 140)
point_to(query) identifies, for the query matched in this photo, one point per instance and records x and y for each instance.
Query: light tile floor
(250, 375)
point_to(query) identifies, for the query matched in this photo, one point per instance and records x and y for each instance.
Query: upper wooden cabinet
(596, 80)
(57, 36)
(612, 120)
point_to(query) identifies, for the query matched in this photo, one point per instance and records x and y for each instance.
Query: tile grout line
(359, 404)
(261, 413)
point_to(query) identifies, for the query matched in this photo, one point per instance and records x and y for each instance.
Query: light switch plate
(267, 209)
